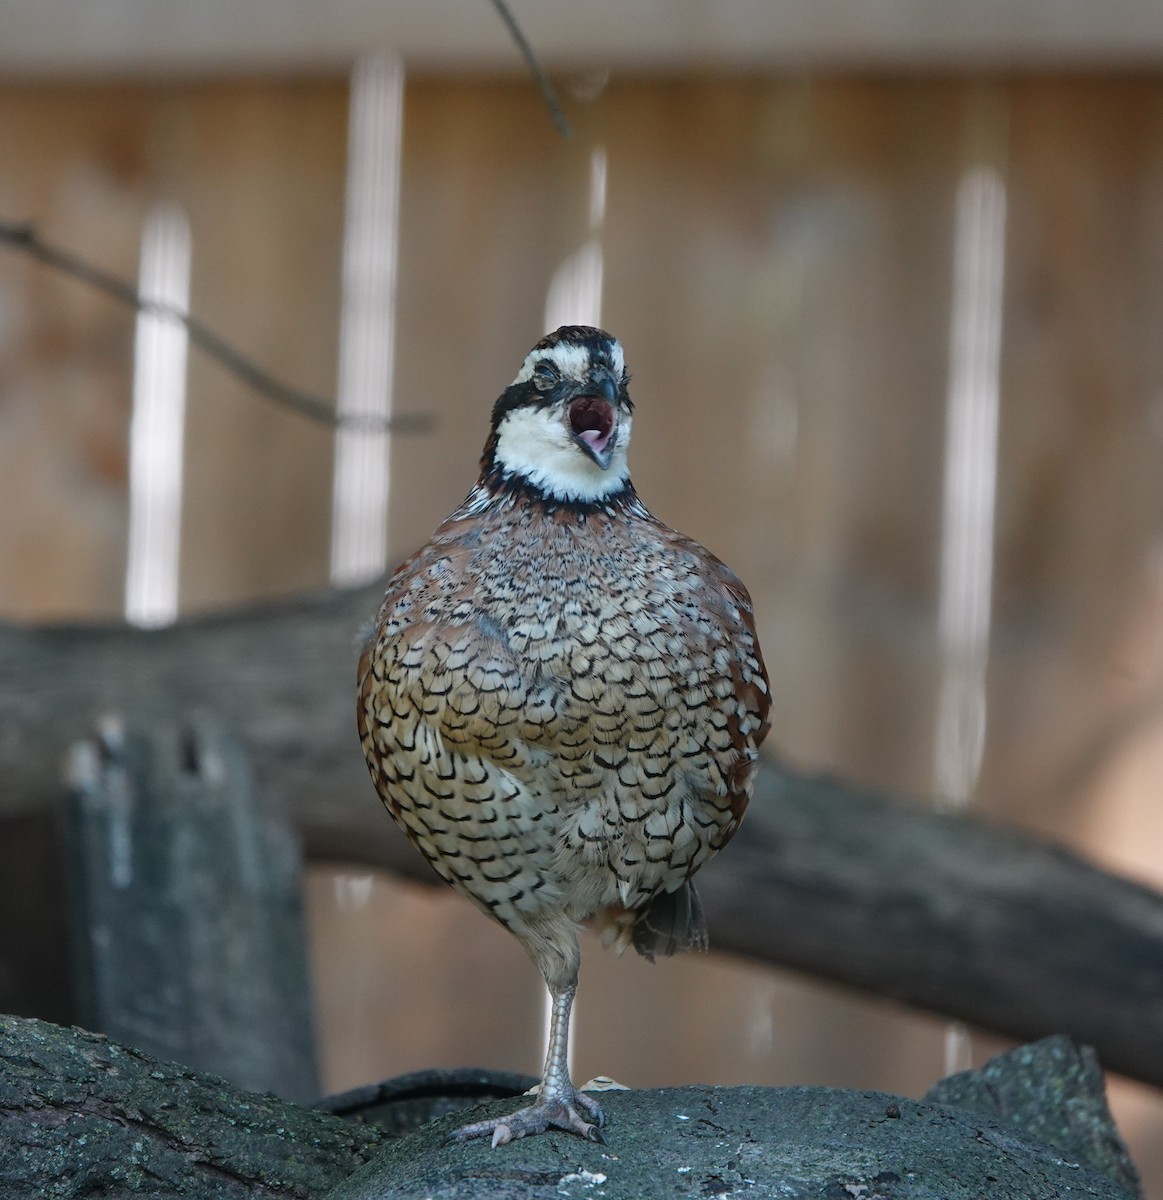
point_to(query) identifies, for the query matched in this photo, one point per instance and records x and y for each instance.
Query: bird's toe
(571, 1112)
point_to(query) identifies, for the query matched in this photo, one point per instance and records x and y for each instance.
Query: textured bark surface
(703, 1142)
(947, 913)
(83, 1117)
(1052, 1091)
(824, 1143)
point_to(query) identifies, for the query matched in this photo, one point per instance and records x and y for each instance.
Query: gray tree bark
(793, 1143)
(81, 1116)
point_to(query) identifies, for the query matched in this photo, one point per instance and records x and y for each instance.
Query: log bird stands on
(563, 700)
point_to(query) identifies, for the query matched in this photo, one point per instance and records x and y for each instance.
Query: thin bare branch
(24, 237)
(556, 113)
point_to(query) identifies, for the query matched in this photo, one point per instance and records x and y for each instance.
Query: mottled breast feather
(562, 706)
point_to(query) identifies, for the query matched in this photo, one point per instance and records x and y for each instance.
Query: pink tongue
(594, 437)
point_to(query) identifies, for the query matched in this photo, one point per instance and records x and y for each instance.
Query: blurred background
(890, 283)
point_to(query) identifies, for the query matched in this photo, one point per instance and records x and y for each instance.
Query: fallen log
(967, 919)
(81, 1116)
(948, 913)
(789, 1143)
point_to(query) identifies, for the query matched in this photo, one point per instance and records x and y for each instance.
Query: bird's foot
(566, 1109)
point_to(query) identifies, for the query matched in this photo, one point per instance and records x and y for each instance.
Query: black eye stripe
(545, 375)
(546, 380)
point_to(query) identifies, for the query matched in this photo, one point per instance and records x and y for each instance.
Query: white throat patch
(535, 444)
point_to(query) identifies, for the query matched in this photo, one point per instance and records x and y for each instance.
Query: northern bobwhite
(563, 700)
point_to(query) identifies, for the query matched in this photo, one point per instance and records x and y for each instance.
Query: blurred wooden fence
(778, 261)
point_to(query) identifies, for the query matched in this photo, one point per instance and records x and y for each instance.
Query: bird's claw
(563, 1111)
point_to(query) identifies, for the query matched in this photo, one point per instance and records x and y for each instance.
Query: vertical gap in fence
(575, 292)
(367, 320)
(970, 481)
(157, 427)
(574, 297)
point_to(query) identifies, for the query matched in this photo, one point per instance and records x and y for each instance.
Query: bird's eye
(545, 375)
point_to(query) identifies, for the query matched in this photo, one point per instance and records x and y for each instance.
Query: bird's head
(563, 425)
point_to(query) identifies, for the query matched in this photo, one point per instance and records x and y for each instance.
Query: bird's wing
(440, 669)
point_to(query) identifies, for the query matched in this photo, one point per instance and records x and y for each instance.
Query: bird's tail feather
(672, 922)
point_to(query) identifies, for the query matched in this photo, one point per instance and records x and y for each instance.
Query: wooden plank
(187, 926)
(259, 169)
(216, 36)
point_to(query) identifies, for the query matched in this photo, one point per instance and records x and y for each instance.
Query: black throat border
(508, 487)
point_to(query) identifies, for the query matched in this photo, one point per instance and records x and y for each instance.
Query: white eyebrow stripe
(572, 361)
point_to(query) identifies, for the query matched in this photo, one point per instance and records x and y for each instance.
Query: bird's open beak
(593, 418)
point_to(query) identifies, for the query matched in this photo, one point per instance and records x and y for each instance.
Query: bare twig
(557, 115)
(316, 408)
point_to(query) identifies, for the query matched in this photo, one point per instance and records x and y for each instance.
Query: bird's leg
(556, 1086)
(559, 1104)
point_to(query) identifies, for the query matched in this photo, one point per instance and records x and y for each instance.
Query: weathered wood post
(183, 878)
